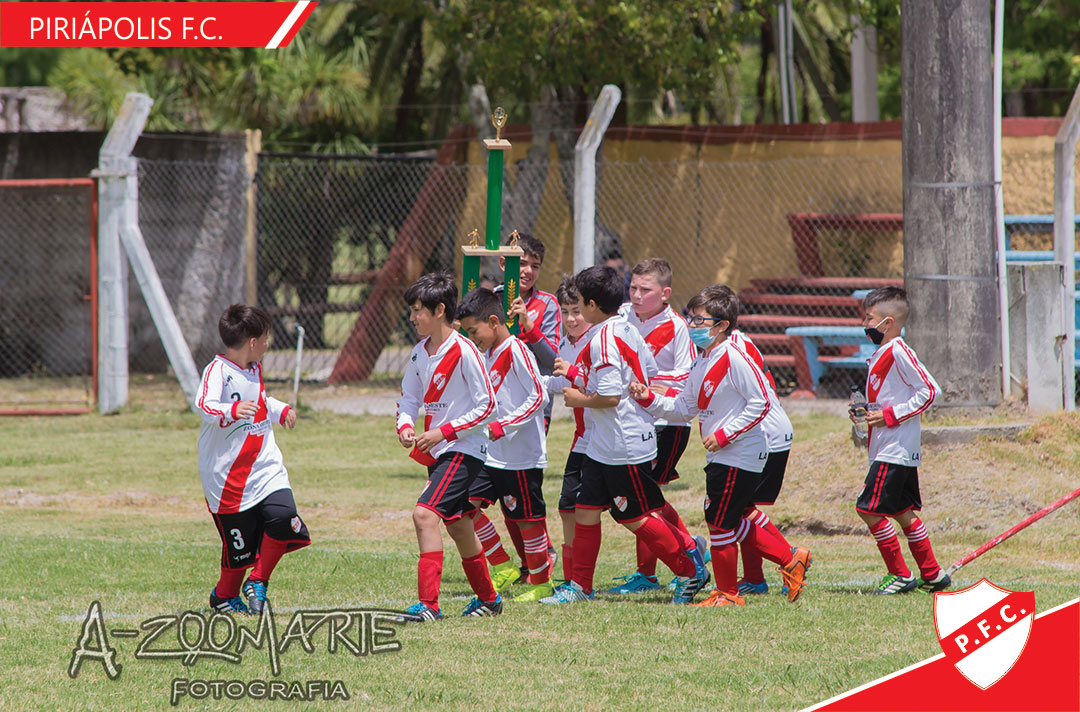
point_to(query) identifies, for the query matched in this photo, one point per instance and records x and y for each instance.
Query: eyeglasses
(696, 320)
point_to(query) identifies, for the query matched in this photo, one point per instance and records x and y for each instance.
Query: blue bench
(810, 365)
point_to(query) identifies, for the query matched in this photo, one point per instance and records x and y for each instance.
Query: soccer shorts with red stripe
(889, 489)
(447, 490)
(772, 478)
(571, 482)
(671, 443)
(520, 492)
(627, 490)
(242, 532)
(729, 491)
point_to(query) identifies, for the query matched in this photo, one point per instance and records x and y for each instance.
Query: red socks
(229, 583)
(489, 540)
(918, 540)
(770, 547)
(646, 559)
(889, 546)
(428, 577)
(270, 553)
(568, 561)
(536, 553)
(515, 536)
(725, 560)
(476, 571)
(658, 536)
(586, 549)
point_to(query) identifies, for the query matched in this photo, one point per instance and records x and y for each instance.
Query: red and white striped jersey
(239, 462)
(454, 389)
(902, 389)
(777, 425)
(571, 351)
(727, 393)
(668, 338)
(616, 357)
(519, 408)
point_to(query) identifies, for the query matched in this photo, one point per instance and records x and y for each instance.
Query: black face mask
(874, 334)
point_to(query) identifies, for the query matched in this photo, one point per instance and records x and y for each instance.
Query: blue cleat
(569, 592)
(255, 590)
(479, 609)
(637, 582)
(747, 588)
(227, 605)
(421, 612)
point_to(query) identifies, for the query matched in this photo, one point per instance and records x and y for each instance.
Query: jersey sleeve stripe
(922, 374)
(202, 396)
(764, 394)
(491, 392)
(538, 390)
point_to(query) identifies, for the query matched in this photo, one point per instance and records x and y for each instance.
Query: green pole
(494, 199)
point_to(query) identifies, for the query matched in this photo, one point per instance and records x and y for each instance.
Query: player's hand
(711, 443)
(246, 409)
(290, 419)
(407, 437)
(876, 419)
(574, 398)
(561, 367)
(517, 308)
(639, 391)
(429, 439)
(659, 390)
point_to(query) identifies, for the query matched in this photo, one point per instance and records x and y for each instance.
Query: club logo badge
(510, 501)
(620, 502)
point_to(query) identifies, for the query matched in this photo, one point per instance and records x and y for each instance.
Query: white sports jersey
(777, 425)
(454, 389)
(668, 339)
(902, 388)
(519, 407)
(616, 357)
(239, 462)
(726, 391)
(571, 352)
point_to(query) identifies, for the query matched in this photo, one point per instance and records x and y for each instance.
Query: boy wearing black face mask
(899, 389)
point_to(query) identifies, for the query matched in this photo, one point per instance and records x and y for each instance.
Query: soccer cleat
(746, 588)
(255, 590)
(636, 582)
(504, 576)
(421, 612)
(892, 584)
(717, 598)
(794, 574)
(536, 592)
(227, 605)
(939, 583)
(569, 592)
(553, 557)
(479, 609)
(703, 548)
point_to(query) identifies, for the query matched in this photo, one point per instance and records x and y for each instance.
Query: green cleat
(504, 575)
(939, 583)
(891, 584)
(536, 592)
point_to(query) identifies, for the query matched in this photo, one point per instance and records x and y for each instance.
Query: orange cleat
(718, 598)
(794, 573)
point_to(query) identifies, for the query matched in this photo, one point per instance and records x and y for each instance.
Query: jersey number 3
(238, 539)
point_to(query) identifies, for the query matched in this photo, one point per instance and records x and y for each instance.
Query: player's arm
(409, 405)
(683, 354)
(481, 396)
(542, 337)
(280, 412)
(524, 368)
(670, 403)
(212, 407)
(749, 382)
(915, 374)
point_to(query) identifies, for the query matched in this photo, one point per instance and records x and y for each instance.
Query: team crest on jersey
(708, 501)
(620, 503)
(496, 379)
(438, 380)
(653, 347)
(875, 381)
(709, 388)
(510, 501)
(533, 314)
(295, 524)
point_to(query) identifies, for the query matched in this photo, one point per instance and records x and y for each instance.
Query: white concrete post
(1065, 238)
(864, 84)
(999, 204)
(585, 175)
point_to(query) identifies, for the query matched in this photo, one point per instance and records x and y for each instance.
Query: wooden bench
(811, 364)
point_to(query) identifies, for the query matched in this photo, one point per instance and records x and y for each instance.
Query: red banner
(151, 24)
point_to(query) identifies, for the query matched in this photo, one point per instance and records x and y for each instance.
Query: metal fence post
(585, 175)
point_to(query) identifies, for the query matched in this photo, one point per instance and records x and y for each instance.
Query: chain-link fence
(46, 295)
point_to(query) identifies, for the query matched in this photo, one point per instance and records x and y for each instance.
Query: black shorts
(519, 492)
(627, 490)
(772, 478)
(671, 443)
(889, 490)
(571, 482)
(242, 532)
(447, 490)
(729, 492)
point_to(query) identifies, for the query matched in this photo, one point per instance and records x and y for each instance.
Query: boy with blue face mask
(899, 389)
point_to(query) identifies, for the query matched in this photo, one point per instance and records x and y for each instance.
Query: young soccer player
(726, 392)
(898, 390)
(666, 335)
(447, 376)
(243, 477)
(622, 445)
(513, 472)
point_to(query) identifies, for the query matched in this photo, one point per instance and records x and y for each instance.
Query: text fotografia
(257, 690)
(193, 635)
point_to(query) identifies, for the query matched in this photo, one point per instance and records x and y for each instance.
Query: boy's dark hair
(481, 304)
(603, 285)
(657, 267)
(567, 293)
(883, 295)
(531, 245)
(433, 289)
(719, 302)
(241, 322)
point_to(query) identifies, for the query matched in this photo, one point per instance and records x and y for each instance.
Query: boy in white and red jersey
(446, 376)
(727, 393)
(778, 438)
(513, 472)
(243, 477)
(621, 447)
(666, 335)
(899, 389)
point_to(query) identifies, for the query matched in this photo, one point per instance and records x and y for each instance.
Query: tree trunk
(949, 268)
(763, 72)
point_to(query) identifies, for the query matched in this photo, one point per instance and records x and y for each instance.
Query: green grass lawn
(110, 509)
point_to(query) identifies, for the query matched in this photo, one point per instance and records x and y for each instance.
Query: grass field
(110, 509)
